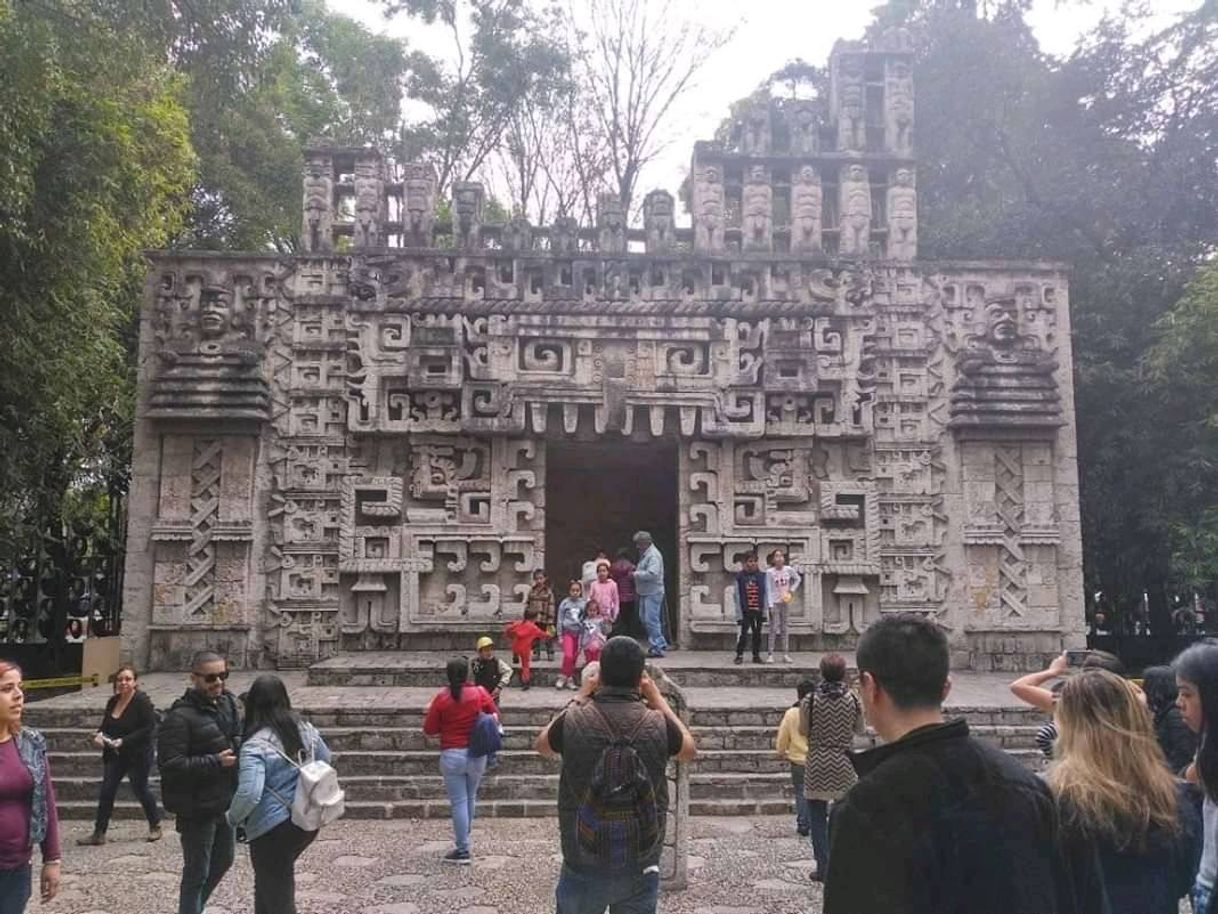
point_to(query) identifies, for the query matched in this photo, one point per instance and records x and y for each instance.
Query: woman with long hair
(1197, 680)
(28, 815)
(1117, 796)
(275, 742)
(1178, 742)
(451, 715)
(831, 716)
(125, 739)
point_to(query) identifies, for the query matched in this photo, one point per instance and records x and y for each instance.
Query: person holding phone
(197, 752)
(1032, 690)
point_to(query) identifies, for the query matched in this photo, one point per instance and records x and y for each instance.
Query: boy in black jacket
(750, 606)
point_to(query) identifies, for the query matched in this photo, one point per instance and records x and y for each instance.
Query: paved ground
(739, 866)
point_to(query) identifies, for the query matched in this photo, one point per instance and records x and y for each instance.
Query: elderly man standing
(649, 588)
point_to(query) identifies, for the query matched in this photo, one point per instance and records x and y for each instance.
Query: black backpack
(617, 822)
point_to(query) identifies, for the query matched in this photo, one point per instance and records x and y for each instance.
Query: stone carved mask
(215, 312)
(1002, 322)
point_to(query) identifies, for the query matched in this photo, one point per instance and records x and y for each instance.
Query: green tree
(94, 147)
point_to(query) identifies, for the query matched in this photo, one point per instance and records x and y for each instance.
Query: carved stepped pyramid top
(806, 177)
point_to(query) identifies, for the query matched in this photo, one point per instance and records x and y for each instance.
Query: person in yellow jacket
(791, 744)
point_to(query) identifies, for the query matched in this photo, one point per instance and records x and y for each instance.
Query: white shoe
(571, 684)
(786, 658)
(560, 682)
(769, 658)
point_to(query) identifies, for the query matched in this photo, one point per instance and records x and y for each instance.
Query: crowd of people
(1123, 819)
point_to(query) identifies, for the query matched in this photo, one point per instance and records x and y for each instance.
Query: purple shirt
(16, 788)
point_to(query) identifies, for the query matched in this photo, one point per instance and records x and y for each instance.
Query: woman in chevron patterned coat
(831, 716)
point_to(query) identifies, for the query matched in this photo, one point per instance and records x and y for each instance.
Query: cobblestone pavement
(739, 866)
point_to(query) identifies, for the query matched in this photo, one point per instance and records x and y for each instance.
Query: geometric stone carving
(348, 448)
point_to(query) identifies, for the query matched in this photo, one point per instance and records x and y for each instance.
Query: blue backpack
(484, 736)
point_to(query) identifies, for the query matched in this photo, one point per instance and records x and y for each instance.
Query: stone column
(674, 865)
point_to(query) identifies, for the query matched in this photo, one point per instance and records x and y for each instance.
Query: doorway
(598, 494)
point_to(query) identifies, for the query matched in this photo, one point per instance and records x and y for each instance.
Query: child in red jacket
(523, 633)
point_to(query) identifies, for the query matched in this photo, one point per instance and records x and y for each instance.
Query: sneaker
(571, 684)
(739, 660)
(803, 831)
(786, 658)
(757, 658)
(655, 655)
(525, 686)
(459, 857)
(155, 834)
(97, 839)
(769, 658)
(560, 682)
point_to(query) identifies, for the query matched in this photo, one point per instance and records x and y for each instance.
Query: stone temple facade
(371, 444)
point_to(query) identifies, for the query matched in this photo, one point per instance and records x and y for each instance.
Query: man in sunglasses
(197, 753)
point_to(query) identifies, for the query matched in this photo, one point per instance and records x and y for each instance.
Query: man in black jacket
(197, 752)
(940, 823)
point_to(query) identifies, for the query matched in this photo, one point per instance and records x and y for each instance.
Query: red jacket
(523, 633)
(452, 720)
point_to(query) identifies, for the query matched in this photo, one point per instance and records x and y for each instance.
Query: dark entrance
(598, 494)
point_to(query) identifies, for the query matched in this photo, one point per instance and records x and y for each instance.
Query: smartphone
(1076, 658)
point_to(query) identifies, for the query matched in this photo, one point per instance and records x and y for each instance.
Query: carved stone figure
(564, 235)
(209, 358)
(807, 206)
(899, 108)
(518, 234)
(418, 204)
(709, 208)
(317, 231)
(855, 211)
(369, 202)
(758, 210)
(658, 221)
(851, 104)
(902, 216)
(468, 198)
(803, 123)
(755, 129)
(1003, 379)
(610, 224)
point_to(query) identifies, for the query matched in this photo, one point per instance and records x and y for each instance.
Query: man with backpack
(197, 753)
(615, 738)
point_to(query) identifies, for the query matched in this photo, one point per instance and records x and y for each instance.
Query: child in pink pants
(570, 627)
(595, 631)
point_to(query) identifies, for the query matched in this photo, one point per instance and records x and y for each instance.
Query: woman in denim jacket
(274, 737)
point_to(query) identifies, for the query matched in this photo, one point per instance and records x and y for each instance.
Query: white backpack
(319, 798)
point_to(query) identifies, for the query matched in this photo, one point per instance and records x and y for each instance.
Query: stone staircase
(390, 771)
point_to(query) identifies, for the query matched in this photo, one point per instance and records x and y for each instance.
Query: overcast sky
(769, 33)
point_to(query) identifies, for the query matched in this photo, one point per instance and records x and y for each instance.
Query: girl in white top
(782, 581)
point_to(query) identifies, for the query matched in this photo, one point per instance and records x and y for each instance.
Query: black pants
(274, 858)
(627, 620)
(208, 843)
(136, 769)
(750, 622)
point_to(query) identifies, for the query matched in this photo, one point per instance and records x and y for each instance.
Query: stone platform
(390, 770)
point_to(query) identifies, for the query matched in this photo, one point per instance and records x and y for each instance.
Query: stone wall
(347, 448)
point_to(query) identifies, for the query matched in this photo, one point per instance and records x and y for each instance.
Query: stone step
(532, 778)
(689, 669)
(708, 708)
(71, 742)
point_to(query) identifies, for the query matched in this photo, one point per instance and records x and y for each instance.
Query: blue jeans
(1200, 897)
(650, 607)
(592, 893)
(462, 775)
(14, 890)
(818, 825)
(801, 802)
(208, 843)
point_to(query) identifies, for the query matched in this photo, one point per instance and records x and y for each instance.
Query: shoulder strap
(614, 732)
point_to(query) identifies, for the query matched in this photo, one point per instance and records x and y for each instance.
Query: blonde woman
(1117, 796)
